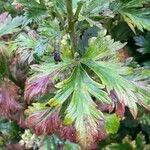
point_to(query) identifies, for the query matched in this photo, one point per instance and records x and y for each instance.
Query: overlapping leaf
(110, 74)
(39, 84)
(133, 14)
(9, 104)
(28, 46)
(102, 46)
(94, 7)
(137, 144)
(34, 10)
(9, 25)
(137, 18)
(45, 120)
(143, 42)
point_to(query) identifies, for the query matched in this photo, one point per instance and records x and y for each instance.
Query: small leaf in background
(35, 11)
(17, 146)
(128, 143)
(143, 42)
(9, 128)
(94, 7)
(71, 146)
(132, 13)
(9, 104)
(137, 18)
(112, 123)
(51, 143)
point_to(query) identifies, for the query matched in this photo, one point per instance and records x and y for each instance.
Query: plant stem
(80, 4)
(71, 25)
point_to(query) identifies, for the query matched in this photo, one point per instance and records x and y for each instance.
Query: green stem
(71, 25)
(80, 4)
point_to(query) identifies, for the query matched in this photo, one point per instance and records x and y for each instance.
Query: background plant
(65, 78)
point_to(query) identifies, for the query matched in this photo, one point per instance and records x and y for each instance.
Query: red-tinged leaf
(104, 107)
(19, 6)
(44, 122)
(17, 146)
(3, 17)
(101, 135)
(92, 135)
(113, 96)
(33, 34)
(48, 122)
(12, 88)
(38, 86)
(8, 99)
(123, 54)
(19, 117)
(67, 132)
(18, 70)
(118, 105)
(120, 109)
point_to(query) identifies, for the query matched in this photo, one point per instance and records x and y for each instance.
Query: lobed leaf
(81, 109)
(8, 99)
(143, 43)
(34, 10)
(133, 14)
(9, 25)
(38, 85)
(102, 46)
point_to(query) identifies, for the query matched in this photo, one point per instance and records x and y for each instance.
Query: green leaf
(29, 46)
(113, 81)
(93, 7)
(132, 13)
(137, 18)
(118, 5)
(119, 146)
(25, 42)
(81, 109)
(128, 143)
(51, 143)
(112, 123)
(71, 146)
(35, 107)
(9, 128)
(102, 46)
(9, 25)
(143, 42)
(34, 10)
(101, 58)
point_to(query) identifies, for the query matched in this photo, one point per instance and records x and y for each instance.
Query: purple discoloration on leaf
(43, 122)
(38, 86)
(8, 99)
(67, 132)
